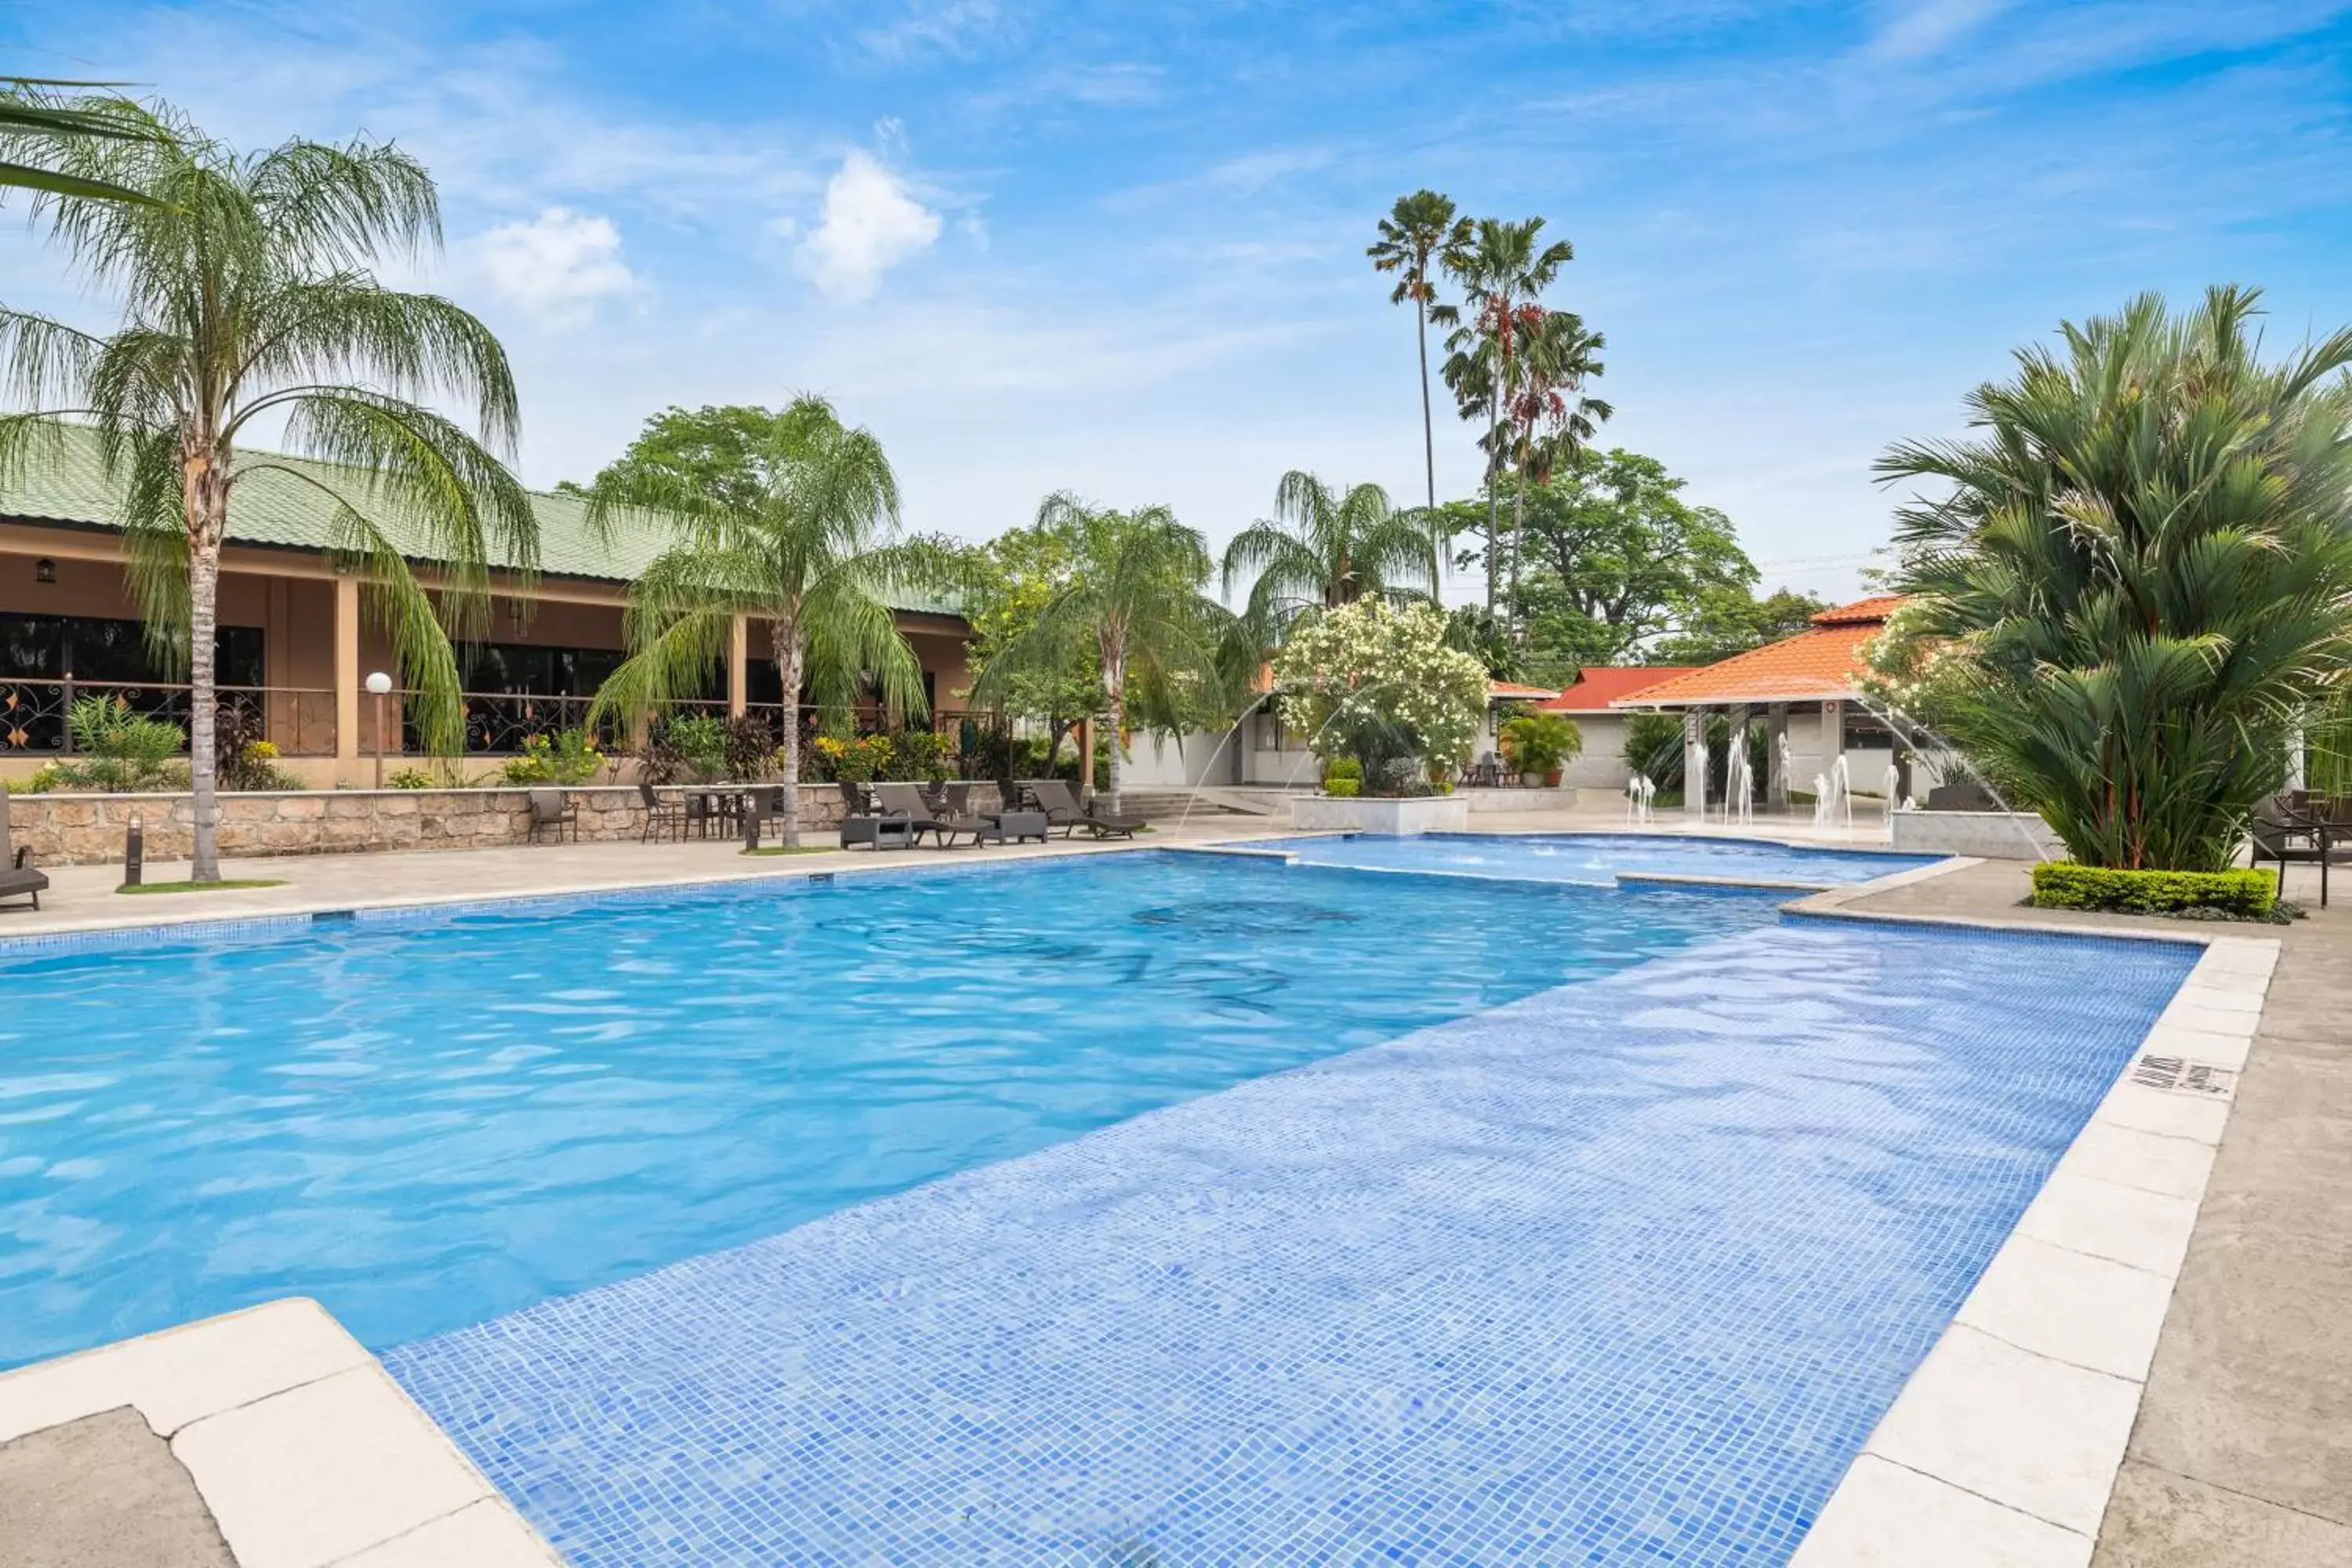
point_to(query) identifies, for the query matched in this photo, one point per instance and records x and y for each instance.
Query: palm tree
(1502, 271)
(246, 296)
(1552, 419)
(1135, 591)
(34, 125)
(786, 517)
(2136, 585)
(1421, 228)
(1324, 549)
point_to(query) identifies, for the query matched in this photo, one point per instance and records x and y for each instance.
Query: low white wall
(1558, 799)
(1990, 835)
(1359, 813)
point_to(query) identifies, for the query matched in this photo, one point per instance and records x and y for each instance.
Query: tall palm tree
(1325, 548)
(2134, 585)
(1503, 271)
(1551, 418)
(34, 125)
(246, 296)
(1135, 591)
(787, 516)
(1420, 229)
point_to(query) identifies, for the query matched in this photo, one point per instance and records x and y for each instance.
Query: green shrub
(121, 751)
(1541, 742)
(1347, 768)
(2066, 885)
(409, 778)
(1341, 789)
(566, 757)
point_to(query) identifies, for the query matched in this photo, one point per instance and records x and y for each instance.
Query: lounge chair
(552, 810)
(905, 802)
(1062, 809)
(18, 880)
(661, 815)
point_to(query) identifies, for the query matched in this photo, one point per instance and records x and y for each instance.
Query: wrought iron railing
(37, 712)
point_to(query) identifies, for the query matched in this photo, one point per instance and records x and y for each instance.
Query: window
(47, 661)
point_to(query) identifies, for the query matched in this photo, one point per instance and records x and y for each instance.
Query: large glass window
(47, 660)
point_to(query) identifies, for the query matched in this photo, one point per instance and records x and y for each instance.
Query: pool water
(427, 1119)
(1599, 858)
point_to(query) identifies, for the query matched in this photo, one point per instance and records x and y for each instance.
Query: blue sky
(1119, 248)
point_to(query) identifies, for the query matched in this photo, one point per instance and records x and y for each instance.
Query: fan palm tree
(1135, 591)
(1325, 548)
(2134, 586)
(787, 516)
(1422, 228)
(246, 297)
(1503, 271)
(33, 124)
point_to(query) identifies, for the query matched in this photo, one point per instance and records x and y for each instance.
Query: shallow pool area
(426, 1119)
(1597, 859)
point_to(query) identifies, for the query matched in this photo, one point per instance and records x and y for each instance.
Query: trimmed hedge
(2064, 885)
(1340, 789)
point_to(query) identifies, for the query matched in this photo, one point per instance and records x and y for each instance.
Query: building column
(739, 666)
(1776, 757)
(347, 681)
(1086, 754)
(1694, 764)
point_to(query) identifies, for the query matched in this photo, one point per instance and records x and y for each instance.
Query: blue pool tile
(1620, 1273)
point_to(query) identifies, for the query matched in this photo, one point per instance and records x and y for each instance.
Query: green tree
(785, 516)
(1727, 620)
(1325, 548)
(1551, 418)
(2135, 581)
(1015, 576)
(1422, 228)
(1377, 682)
(1502, 271)
(1166, 649)
(246, 296)
(1617, 560)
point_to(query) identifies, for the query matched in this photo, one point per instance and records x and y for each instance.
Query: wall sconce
(45, 570)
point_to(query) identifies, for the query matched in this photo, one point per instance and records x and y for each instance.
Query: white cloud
(1920, 28)
(870, 225)
(558, 265)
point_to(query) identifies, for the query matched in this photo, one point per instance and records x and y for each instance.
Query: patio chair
(2281, 833)
(18, 880)
(1065, 812)
(853, 797)
(662, 816)
(905, 802)
(552, 810)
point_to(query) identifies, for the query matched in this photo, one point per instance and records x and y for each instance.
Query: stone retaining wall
(1992, 835)
(88, 829)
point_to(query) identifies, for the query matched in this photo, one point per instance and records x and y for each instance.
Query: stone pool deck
(2243, 1451)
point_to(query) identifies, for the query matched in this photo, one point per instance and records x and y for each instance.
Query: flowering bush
(1378, 684)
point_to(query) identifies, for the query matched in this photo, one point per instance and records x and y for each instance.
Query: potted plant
(1538, 745)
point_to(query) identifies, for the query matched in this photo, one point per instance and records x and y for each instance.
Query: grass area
(201, 886)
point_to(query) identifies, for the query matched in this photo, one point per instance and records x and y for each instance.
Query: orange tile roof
(1511, 691)
(1599, 685)
(1820, 664)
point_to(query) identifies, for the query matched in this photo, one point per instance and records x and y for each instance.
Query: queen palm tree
(1420, 229)
(2135, 585)
(1325, 548)
(246, 296)
(1135, 591)
(1551, 418)
(1502, 271)
(788, 517)
(34, 126)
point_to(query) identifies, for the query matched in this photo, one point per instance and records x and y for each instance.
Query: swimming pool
(428, 1118)
(1597, 858)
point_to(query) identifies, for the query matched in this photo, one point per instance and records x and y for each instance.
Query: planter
(1481, 800)
(1364, 813)
(1990, 835)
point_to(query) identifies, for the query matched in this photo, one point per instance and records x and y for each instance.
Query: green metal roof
(66, 482)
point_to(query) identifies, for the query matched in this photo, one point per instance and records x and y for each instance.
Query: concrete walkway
(2242, 1451)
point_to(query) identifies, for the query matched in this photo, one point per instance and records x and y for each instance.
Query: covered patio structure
(1807, 690)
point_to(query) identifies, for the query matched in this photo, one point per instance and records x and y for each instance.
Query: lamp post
(378, 685)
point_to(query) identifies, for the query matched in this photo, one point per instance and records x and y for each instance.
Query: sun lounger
(18, 880)
(1063, 810)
